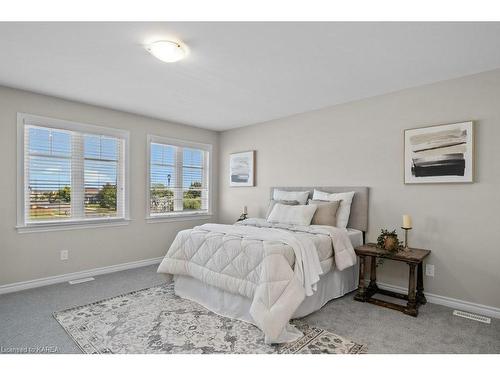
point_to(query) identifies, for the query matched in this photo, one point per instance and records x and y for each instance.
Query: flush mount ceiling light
(166, 50)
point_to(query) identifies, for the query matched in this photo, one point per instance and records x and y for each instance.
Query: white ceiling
(238, 74)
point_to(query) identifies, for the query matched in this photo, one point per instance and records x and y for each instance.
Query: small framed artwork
(241, 168)
(439, 154)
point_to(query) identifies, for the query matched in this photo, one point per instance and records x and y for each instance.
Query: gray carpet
(26, 319)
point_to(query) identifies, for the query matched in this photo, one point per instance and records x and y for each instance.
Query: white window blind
(72, 175)
(178, 178)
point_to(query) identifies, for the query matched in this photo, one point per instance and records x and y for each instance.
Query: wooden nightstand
(414, 258)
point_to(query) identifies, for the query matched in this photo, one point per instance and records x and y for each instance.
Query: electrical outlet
(64, 254)
(429, 270)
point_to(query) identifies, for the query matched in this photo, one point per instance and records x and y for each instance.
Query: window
(70, 173)
(178, 181)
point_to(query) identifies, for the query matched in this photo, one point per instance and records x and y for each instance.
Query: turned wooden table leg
(361, 294)
(411, 306)
(372, 287)
(420, 284)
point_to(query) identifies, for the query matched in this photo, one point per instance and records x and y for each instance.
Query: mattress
(332, 284)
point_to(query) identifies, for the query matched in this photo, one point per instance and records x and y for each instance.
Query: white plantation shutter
(178, 177)
(72, 172)
(163, 179)
(48, 168)
(102, 176)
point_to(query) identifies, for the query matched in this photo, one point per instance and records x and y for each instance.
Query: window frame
(24, 119)
(178, 215)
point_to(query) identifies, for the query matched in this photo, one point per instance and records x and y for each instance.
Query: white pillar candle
(245, 210)
(406, 221)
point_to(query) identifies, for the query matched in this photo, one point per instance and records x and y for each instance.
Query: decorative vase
(390, 243)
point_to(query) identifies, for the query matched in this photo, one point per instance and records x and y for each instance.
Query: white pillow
(345, 204)
(298, 215)
(299, 196)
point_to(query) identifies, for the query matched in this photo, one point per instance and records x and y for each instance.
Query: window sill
(177, 217)
(70, 225)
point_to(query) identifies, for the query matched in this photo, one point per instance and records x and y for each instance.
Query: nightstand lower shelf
(368, 297)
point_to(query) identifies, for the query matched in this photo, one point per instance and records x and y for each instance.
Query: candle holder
(406, 248)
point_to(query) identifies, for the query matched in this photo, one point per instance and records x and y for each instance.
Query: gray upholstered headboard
(359, 208)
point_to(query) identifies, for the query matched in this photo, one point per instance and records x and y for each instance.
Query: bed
(268, 273)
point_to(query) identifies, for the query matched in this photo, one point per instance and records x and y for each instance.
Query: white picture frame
(439, 154)
(242, 169)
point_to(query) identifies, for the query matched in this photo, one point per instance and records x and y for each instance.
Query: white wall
(34, 255)
(361, 143)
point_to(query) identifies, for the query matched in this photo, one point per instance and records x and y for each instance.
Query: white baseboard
(16, 287)
(492, 312)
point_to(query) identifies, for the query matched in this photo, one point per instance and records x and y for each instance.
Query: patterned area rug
(155, 320)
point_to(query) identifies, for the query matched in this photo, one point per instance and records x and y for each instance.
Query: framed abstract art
(242, 168)
(439, 154)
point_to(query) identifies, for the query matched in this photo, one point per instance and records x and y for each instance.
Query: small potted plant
(389, 241)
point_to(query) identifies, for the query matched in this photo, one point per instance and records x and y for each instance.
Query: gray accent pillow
(326, 213)
(285, 202)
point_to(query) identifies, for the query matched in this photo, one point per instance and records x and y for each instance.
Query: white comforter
(267, 263)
